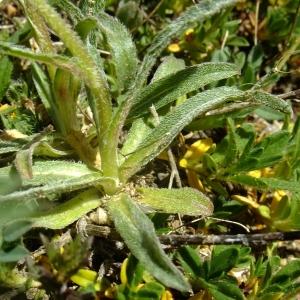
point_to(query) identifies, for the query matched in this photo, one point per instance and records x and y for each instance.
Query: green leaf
(47, 172)
(286, 215)
(15, 230)
(225, 290)
(171, 87)
(139, 129)
(161, 136)
(266, 183)
(223, 260)
(65, 214)
(11, 146)
(194, 14)
(190, 261)
(53, 190)
(170, 64)
(139, 234)
(122, 49)
(271, 101)
(42, 85)
(6, 68)
(186, 201)
(51, 59)
(13, 255)
(287, 274)
(266, 153)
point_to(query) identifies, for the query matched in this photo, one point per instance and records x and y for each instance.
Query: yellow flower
(189, 31)
(167, 295)
(196, 150)
(85, 278)
(174, 48)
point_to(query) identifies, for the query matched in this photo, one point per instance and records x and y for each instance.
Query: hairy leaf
(266, 183)
(161, 136)
(169, 88)
(272, 101)
(195, 13)
(6, 68)
(121, 47)
(170, 64)
(138, 232)
(186, 201)
(65, 214)
(52, 190)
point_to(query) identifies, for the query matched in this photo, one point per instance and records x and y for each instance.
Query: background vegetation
(149, 149)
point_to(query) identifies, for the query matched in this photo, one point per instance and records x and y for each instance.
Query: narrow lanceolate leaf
(65, 214)
(53, 190)
(272, 101)
(50, 59)
(186, 201)
(266, 183)
(170, 64)
(139, 234)
(121, 47)
(161, 136)
(6, 68)
(23, 160)
(196, 13)
(171, 87)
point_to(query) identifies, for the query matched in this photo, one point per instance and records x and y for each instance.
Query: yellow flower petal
(123, 274)
(189, 31)
(167, 295)
(174, 48)
(255, 173)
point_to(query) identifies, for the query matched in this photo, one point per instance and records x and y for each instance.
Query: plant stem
(93, 79)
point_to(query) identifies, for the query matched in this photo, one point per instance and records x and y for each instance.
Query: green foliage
(114, 88)
(213, 275)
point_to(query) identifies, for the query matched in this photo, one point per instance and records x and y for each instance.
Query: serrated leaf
(185, 201)
(139, 234)
(65, 214)
(121, 47)
(161, 136)
(169, 88)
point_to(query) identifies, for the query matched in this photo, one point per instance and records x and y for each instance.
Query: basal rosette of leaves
(54, 193)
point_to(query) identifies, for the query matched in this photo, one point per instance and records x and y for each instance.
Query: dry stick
(291, 94)
(245, 239)
(175, 240)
